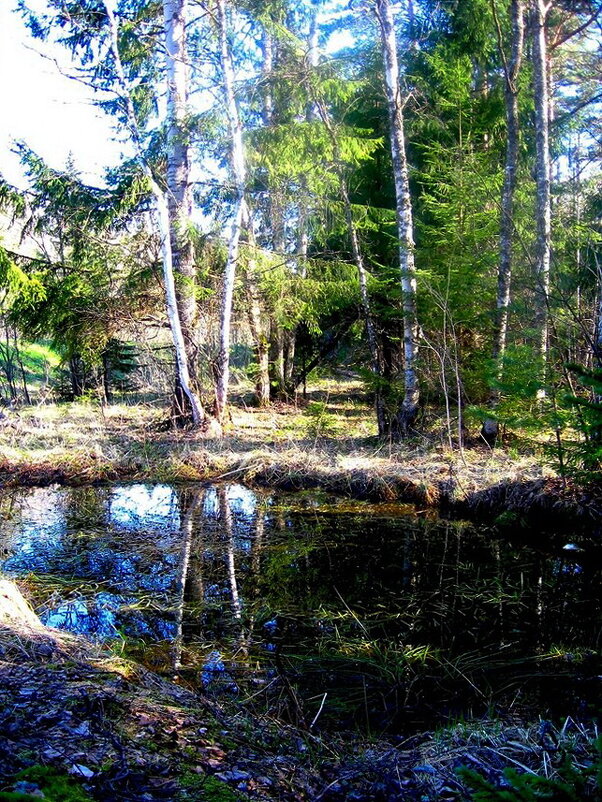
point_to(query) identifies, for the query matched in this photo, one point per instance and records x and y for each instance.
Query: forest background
(417, 211)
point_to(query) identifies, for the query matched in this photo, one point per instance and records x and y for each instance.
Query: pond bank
(123, 733)
(76, 444)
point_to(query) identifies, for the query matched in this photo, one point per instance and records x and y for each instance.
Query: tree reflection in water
(392, 614)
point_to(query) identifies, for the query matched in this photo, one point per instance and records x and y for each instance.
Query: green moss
(57, 787)
(9, 796)
(208, 789)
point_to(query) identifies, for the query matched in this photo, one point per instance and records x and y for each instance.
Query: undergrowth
(569, 783)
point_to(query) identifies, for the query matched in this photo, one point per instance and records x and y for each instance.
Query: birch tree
(179, 202)
(169, 215)
(409, 407)
(543, 209)
(238, 171)
(94, 34)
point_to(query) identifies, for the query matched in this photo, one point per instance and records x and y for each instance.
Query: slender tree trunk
(405, 229)
(179, 194)
(189, 503)
(106, 378)
(543, 211)
(17, 351)
(222, 363)
(183, 372)
(269, 348)
(226, 517)
(76, 374)
(511, 74)
(379, 404)
(256, 324)
(597, 338)
(276, 361)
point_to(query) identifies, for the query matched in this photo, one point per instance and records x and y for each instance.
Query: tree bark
(511, 73)
(543, 209)
(183, 372)
(405, 229)
(268, 348)
(179, 194)
(222, 363)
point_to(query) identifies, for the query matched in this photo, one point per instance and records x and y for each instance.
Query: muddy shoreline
(119, 732)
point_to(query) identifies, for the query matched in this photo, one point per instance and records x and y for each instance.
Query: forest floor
(326, 440)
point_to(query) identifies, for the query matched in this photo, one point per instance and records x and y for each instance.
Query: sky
(53, 114)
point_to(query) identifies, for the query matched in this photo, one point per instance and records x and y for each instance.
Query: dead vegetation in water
(131, 735)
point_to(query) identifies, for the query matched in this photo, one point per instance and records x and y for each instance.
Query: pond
(315, 609)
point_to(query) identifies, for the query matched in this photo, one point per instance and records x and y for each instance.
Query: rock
(79, 770)
(234, 775)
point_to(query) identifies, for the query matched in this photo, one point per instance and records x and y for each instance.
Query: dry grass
(489, 747)
(329, 440)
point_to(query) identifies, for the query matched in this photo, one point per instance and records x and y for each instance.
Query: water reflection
(387, 612)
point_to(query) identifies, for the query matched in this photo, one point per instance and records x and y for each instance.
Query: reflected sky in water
(207, 564)
(127, 537)
(150, 506)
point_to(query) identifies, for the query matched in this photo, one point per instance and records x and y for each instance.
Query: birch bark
(164, 222)
(543, 210)
(405, 228)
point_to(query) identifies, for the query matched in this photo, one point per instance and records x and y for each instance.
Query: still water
(313, 608)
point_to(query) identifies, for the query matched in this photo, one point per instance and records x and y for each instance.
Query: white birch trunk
(222, 364)
(163, 221)
(543, 210)
(226, 517)
(405, 228)
(186, 533)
